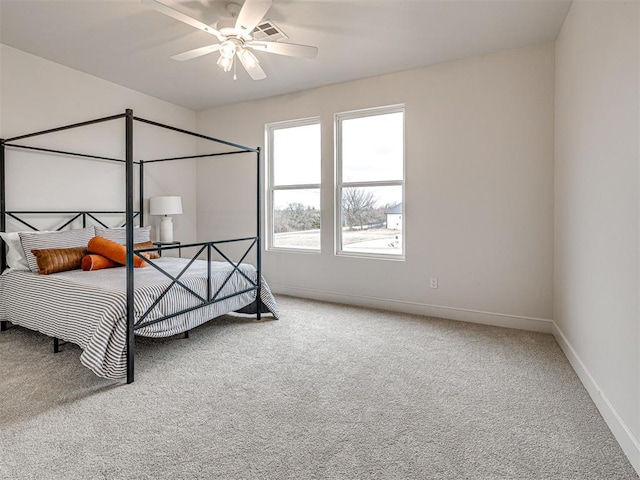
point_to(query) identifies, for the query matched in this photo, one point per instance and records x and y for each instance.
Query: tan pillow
(56, 260)
(140, 246)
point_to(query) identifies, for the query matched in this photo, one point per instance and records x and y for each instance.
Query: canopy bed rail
(92, 215)
(211, 296)
(131, 214)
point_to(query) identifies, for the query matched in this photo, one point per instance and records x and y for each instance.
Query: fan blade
(173, 13)
(252, 12)
(196, 52)
(251, 65)
(288, 49)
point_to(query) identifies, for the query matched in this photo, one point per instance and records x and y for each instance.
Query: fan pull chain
(234, 70)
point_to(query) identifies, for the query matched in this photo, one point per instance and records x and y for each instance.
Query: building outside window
(370, 182)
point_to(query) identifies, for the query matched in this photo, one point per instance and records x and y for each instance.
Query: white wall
(479, 195)
(37, 94)
(596, 208)
(479, 190)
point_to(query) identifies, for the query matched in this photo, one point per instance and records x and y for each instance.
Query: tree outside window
(293, 154)
(370, 182)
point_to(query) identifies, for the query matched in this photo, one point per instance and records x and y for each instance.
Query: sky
(372, 150)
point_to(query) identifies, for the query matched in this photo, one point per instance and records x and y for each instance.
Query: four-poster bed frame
(131, 214)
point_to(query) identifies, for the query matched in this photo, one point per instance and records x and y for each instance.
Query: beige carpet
(327, 392)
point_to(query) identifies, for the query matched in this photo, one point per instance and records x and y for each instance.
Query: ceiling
(128, 43)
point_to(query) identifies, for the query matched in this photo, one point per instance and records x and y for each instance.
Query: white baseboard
(625, 437)
(451, 313)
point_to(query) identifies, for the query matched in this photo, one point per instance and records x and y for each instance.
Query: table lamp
(165, 206)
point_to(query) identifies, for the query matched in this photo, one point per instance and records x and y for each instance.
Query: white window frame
(270, 128)
(340, 185)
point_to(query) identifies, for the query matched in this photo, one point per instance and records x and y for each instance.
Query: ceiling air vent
(267, 31)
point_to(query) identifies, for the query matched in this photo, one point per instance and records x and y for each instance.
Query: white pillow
(64, 239)
(119, 235)
(16, 259)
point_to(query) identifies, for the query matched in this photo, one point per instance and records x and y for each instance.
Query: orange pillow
(97, 262)
(113, 251)
(58, 259)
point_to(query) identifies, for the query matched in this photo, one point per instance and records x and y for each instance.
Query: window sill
(371, 256)
(304, 251)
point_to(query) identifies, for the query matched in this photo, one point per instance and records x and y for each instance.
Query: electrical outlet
(434, 282)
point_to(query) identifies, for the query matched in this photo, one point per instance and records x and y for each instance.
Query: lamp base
(166, 230)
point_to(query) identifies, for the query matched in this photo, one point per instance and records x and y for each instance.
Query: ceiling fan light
(228, 49)
(248, 59)
(225, 63)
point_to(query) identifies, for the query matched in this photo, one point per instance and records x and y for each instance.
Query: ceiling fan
(236, 36)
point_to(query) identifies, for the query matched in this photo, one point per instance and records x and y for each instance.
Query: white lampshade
(165, 206)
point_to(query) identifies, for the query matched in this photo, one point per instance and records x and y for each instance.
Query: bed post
(129, 237)
(3, 221)
(141, 193)
(258, 243)
(3, 218)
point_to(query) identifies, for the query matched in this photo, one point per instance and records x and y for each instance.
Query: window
(293, 153)
(370, 182)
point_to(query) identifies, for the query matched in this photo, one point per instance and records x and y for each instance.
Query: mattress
(89, 308)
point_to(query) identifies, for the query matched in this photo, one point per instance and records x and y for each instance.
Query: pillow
(113, 251)
(119, 235)
(15, 254)
(143, 245)
(97, 262)
(42, 241)
(16, 259)
(59, 259)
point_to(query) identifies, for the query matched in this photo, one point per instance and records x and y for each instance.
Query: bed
(89, 308)
(102, 311)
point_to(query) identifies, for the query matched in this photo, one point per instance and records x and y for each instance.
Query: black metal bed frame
(131, 214)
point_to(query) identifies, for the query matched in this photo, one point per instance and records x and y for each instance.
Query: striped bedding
(89, 308)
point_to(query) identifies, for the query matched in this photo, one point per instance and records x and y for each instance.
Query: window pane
(296, 155)
(373, 148)
(296, 218)
(372, 220)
